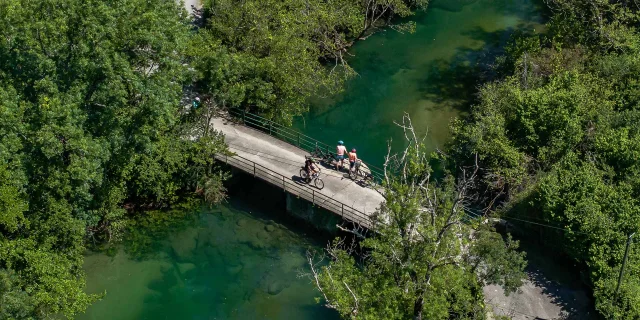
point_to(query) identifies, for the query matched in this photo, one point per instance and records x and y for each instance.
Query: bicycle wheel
(304, 175)
(319, 183)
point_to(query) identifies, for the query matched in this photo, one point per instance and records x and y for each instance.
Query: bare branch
(314, 273)
(354, 310)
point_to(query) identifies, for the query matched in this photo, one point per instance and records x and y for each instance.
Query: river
(431, 74)
(242, 260)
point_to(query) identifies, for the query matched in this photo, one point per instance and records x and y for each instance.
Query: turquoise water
(241, 260)
(431, 74)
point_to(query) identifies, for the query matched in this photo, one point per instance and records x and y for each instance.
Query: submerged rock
(184, 243)
(241, 222)
(269, 228)
(275, 288)
(262, 235)
(291, 261)
(185, 268)
(232, 270)
(256, 244)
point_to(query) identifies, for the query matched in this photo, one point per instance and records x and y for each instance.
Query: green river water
(431, 74)
(241, 260)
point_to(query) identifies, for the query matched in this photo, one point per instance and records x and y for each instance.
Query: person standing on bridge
(341, 150)
(353, 157)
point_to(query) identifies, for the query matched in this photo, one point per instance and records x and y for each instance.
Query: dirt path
(553, 290)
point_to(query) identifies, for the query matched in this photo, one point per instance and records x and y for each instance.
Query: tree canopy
(90, 93)
(559, 138)
(428, 257)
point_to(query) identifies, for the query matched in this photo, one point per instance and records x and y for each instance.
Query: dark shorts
(352, 164)
(340, 157)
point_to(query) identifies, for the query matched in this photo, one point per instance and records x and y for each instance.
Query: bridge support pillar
(320, 218)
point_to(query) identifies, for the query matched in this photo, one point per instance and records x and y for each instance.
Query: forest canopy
(90, 93)
(559, 140)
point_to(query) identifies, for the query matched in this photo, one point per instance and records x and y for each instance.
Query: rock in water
(262, 235)
(269, 228)
(185, 268)
(275, 288)
(184, 243)
(241, 222)
(234, 269)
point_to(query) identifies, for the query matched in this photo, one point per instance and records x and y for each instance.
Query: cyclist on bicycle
(353, 157)
(311, 168)
(341, 151)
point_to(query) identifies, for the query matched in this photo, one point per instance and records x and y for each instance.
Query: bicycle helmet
(353, 150)
(340, 142)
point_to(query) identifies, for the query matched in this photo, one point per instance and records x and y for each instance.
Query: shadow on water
(503, 7)
(453, 83)
(451, 5)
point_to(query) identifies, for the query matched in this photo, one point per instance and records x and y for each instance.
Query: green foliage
(497, 260)
(146, 227)
(560, 140)
(271, 56)
(426, 260)
(90, 94)
(607, 25)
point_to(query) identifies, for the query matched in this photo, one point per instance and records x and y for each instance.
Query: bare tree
(419, 231)
(422, 232)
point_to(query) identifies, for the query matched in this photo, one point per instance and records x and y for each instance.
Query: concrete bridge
(261, 152)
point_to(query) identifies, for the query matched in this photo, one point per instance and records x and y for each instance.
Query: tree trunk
(418, 306)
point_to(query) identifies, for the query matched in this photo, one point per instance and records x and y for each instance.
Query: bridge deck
(287, 160)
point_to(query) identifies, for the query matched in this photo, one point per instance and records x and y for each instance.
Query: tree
(559, 142)
(90, 93)
(607, 25)
(426, 258)
(374, 10)
(271, 56)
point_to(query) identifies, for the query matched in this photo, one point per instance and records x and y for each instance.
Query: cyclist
(311, 168)
(353, 157)
(341, 150)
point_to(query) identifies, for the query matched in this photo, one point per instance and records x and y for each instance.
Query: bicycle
(317, 181)
(324, 156)
(367, 178)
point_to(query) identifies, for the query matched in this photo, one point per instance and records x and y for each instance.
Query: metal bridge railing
(315, 197)
(293, 137)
